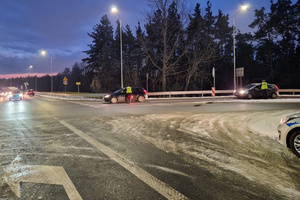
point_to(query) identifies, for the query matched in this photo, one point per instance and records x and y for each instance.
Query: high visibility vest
(264, 85)
(128, 90)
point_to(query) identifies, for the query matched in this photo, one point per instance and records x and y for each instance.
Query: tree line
(177, 49)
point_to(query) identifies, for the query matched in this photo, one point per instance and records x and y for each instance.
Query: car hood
(296, 115)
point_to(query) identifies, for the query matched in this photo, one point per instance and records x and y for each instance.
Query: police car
(289, 132)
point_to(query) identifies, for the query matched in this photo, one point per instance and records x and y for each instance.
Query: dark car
(254, 90)
(139, 94)
(30, 92)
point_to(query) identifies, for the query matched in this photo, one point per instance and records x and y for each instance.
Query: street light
(31, 67)
(242, 8)
(44, 53)
(115, 10)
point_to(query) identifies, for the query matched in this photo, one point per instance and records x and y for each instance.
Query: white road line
(86, 104)
(149, 179)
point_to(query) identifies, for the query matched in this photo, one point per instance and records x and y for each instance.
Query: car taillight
(276, 87)
(145, 91)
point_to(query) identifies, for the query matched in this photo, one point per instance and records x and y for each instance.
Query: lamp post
(115, 10)
(242, 8)
(31, 67)
(43, 52)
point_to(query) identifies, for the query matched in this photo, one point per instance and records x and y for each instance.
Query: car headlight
(20, 95)
(286, 119)
(107, 96)
(242, 91)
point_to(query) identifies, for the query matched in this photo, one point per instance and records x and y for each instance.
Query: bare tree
(163, 44)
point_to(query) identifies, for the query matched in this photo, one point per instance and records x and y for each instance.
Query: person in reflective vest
(264, 89)
(128, 92)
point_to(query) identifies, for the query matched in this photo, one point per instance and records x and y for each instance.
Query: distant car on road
(289, 132)
(254, 90)
(30, 92)
(3, 93)
(139, 94)
(15, 95)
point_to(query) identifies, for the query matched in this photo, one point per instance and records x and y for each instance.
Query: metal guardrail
(188, 93)
(168, 94)
(209, 92)
(289, 91)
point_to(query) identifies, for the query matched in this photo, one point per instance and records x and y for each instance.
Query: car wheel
(114, 100)
(273, 95)
(141, 98)
(249, 96)
(295, 143)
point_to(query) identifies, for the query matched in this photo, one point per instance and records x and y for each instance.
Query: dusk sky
(60, 27)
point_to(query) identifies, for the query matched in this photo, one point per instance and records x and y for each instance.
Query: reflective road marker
(153, 182)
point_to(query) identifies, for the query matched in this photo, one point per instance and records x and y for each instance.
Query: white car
(15, 95)
(289, 132)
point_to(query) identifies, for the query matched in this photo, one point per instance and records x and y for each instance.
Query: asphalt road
(159, 149)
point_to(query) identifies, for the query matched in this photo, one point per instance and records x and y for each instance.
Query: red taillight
(131, 97)
(145, 91)
(276, 87)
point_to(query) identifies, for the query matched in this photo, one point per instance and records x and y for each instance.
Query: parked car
(289, 132)
(30, 92)
(254, 90)
(15, 95)
(138, 94)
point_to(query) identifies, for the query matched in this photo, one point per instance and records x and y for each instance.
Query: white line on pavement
(149, 179)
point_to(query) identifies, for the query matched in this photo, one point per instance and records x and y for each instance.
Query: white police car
(289, 132)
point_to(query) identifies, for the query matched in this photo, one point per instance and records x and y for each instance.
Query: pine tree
(102, 59)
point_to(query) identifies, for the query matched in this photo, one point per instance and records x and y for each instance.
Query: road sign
(65, 81)
(239, 72)
(213, 91)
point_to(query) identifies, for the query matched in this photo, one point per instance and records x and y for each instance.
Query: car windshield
(118, 91)
(250, 86)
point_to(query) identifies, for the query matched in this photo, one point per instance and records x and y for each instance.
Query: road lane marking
(147, 178)
(16, 173)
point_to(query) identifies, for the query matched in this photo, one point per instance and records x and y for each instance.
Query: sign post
(78, 83)
(214, 76)
(239, 73)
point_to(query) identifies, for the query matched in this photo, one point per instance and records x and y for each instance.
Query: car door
(121, 96)
(258, 92)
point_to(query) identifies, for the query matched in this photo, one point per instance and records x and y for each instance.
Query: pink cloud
(22, 75)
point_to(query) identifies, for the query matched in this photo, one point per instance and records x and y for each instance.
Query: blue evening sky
(60, 27)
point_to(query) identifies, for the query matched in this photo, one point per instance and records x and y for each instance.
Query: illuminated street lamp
(115, 10)
(242, 8)
(31, 67)
(44, 53)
